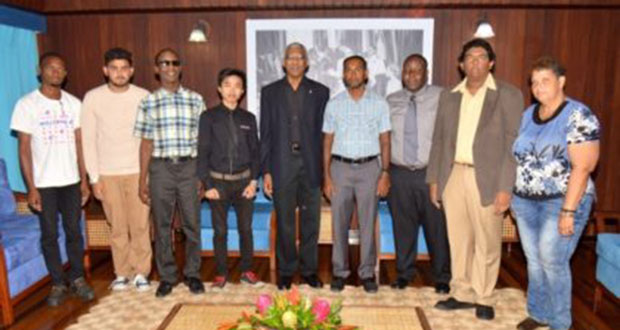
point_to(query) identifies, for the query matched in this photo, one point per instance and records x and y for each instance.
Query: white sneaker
(141, 283)
(119, 284)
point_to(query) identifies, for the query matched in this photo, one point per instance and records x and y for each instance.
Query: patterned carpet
(141, 310)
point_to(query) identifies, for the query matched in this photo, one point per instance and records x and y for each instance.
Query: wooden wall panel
(584, 39)
(65, 6)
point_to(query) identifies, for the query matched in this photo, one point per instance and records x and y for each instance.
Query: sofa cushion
(18, 234)
(608, 248)
(21, 239)
(7, 199)
(30, 272)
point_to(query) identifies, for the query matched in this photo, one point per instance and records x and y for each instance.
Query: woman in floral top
(556, 150)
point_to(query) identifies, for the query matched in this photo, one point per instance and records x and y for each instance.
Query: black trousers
(410, 207)
(171, 184)
(230, 194)
(294, 192)
(66, 201)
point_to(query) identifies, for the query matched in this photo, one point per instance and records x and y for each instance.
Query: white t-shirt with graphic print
(51, 124)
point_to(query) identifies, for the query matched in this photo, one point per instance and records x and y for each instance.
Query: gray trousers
(354, 185)
(169, 184)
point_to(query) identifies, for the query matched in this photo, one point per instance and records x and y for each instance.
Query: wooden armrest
(601, 216)
(21, 200)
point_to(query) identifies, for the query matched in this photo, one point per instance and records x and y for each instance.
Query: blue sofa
(22, 267)
(608, 257)
(608, 262)
(262, 223)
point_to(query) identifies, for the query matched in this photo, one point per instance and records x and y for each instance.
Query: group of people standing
(452, 161)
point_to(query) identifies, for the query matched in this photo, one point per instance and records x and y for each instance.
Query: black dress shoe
(530, 324)
(452, 304)
(442, 288)
(484, 312)
(163, 289)
(337, 284)
(370, 285)
(284, 283)
(313, 281)
(400, 283)
(195, 285)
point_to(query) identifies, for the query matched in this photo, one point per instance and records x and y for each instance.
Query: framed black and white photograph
(384, 43)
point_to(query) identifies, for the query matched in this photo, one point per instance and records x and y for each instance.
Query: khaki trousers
(475, 237)
(128, 218)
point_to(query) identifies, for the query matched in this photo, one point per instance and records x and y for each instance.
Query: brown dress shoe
(530, 324)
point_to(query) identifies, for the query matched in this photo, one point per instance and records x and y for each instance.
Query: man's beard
(124, 84)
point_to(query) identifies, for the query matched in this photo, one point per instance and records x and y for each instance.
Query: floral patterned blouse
(543, 166)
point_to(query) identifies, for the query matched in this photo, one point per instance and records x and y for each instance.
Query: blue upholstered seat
(608, 262)
(21, 241)
(386, 233)
(19, 232)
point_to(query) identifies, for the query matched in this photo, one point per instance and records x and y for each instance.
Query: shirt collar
(225, 109)
(303, 83)
(419, 93)
(364, 96)
(488, 83)
(166, 92)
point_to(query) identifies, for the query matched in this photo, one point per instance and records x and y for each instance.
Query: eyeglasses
(167, 63)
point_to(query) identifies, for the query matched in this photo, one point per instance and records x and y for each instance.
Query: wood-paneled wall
(67, 6)
(584, 39)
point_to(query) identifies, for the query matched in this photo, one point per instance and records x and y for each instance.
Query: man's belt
(295, 147)
(230, 177)
(175, 160)
(408, 168)
(354, 160)
(464, 164)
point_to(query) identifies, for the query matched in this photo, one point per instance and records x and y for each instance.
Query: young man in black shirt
(228, 166)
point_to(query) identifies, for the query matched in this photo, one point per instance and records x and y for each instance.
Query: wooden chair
(601, 218)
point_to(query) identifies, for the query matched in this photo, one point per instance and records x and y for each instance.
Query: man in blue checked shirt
(357, 134)
(167, 122)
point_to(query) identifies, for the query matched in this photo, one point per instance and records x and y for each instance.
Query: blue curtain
(18, 76)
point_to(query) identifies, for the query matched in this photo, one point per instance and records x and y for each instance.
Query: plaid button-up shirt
(171, 121)
(356, 125)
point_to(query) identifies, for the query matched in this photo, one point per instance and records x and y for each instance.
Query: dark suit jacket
(497, 129)
(275, 135)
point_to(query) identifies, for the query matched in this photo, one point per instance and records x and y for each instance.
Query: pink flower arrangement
(291, 310)
(263, 303)
(320, 309)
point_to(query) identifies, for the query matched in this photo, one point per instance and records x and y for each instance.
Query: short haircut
(117, 53)
(549, 63)
(165, 50)
(298, 45)
(355, 57)
(47, 55)
(419, 57)
(478, 42)
(227, 72)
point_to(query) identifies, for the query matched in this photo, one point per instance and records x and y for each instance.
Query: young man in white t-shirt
(111, 154)
(47, 121)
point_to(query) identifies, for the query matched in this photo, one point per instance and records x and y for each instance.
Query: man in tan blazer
(471, 173)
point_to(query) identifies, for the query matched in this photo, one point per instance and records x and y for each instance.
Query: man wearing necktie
(412, 113)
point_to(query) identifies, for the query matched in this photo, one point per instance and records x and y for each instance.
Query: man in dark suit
(291, 118)
(471, 170)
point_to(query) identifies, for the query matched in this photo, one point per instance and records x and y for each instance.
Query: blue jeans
(548, 255)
